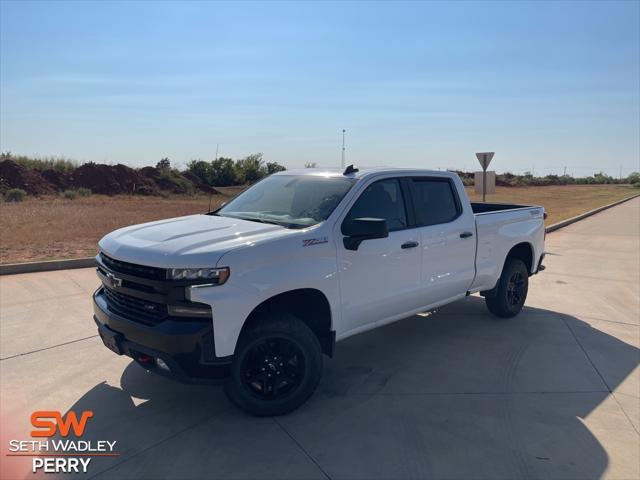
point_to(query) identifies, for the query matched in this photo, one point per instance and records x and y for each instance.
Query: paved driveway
(554, 393)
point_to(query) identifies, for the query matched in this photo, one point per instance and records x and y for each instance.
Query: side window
(381, 199)
(434, 200)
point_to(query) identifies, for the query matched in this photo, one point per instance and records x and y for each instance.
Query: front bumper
(185, 348)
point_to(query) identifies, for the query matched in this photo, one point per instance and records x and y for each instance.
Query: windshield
(289, 200)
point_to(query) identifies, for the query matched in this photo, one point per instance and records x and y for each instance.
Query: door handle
(466, 235)
(409, 245)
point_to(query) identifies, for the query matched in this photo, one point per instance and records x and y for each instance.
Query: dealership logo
(46, 427)
(59, 446)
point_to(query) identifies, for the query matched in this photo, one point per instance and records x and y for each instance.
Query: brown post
(484, 178)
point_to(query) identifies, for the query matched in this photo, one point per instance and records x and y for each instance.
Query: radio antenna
(349, 170)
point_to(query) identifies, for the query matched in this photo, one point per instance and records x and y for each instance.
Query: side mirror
(360, 229)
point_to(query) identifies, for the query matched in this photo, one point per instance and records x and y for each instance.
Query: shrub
(174, 181)
(164, 164)
(223, 172)
(144, 190)
(274, 167)
(15, 195)
(521, 181)
(468, 182)
(250, 169)
(602, 178)
(69, 194)
(200, 169)
(636, 185)
(84, 192)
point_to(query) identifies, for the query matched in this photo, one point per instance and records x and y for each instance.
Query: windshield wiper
(256, 219)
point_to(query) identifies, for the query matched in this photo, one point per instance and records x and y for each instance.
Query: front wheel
(508, 297)
(276, 368)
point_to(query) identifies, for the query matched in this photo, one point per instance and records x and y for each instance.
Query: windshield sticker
(314, 241)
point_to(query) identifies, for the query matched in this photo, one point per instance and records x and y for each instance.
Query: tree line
(223, 171)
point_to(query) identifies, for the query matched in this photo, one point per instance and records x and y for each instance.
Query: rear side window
(435, 201)
(381, 199)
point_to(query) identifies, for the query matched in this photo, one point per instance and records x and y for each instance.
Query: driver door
(381, 279)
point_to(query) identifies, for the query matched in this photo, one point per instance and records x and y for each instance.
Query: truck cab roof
(361, 173)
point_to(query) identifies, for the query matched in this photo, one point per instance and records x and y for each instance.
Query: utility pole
(217, 145)
(343, 132)
(565, 172)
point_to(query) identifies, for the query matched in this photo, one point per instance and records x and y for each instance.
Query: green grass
(59, 164)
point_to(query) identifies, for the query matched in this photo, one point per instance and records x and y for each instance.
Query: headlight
(217, 275)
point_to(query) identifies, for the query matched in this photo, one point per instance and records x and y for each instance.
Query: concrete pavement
(553, 393)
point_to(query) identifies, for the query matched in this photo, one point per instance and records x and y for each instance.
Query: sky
(546, 85)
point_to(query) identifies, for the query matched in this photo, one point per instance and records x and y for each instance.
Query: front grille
(143, 271)
(137, 309)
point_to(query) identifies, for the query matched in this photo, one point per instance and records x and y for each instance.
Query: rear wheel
(276, 368)
(507, 299)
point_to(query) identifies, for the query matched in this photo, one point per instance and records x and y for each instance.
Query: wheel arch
(523, 251)
(308, 304)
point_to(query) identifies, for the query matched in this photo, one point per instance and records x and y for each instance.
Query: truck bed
(497, 224)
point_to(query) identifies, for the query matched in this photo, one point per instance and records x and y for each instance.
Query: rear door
(447, 238)
(382, 278)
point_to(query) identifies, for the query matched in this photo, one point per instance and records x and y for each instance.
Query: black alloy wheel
(508, 296)
(276, 366)
(515, 289)
(272, 368)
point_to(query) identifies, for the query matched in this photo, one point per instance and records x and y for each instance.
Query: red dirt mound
(176, 182)
(14, 175)
(59, 180)
(101, 179)
(150, 172)
(112, 180)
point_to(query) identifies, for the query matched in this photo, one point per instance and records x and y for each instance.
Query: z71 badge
(314, 241)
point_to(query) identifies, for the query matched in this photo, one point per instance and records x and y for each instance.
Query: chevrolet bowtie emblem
(114, 282)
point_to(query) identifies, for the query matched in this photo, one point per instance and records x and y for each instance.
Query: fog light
(161, 364)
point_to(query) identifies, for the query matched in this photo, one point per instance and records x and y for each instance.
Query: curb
(50, 265)
(46, 266)
(569, 221)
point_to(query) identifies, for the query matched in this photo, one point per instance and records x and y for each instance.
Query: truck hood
(186, 242)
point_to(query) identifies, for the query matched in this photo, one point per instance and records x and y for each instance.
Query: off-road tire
(256, 345)
(508, 297)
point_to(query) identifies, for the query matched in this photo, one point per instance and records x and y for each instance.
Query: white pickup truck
(254, 293)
